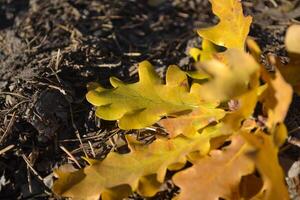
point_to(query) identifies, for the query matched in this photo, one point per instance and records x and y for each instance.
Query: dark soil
(50, 50)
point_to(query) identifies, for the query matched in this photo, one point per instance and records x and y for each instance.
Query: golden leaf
(244, 106)
(292, 69)
(216, 176)
(229, 79)
(233, 28)
(292, 39)
(190, 123)
(122, 173)
(254, 48)
(207, 52)
(276, 98)
(266, 161)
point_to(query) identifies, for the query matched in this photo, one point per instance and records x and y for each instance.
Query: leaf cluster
(201, 117)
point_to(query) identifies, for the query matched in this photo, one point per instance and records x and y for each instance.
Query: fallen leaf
(280, 134)
(141, 104)
(233, 28)
(195, 53)
(292, 39)
(207, 52)
(229, 79)
(190, 123)
(216, 176)
(244, 108)
(265, 157)
(246, 105)
(276, 98)
(123, 172)
(290, 73)
(254, 48)
(292, 69)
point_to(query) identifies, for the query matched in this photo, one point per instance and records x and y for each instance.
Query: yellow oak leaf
(280, 134)
(229, 79)
(197, 75)
(243, 106)
(207, 52)
(119, 174)
(291, 71)
(254, 48)
(276, 94)
(190, 123)
(233, 28)
(265, 157)
(195, 53)
(216, 176)
(141, 104)
(292, 39)
(276, 98)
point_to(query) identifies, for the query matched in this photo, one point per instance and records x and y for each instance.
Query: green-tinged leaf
(141, 104)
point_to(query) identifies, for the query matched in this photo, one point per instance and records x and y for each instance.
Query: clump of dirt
(50, 50)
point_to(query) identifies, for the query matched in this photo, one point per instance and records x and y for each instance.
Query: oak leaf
(254, 49)
(216, 176)
(291, 71)
(125, 172)
(265, 157)
(292, 39)
(246, 104)
(206, 53)
(233, 28)
(276, 94)
(230, 78)
(243, 106)
(141, 104)
(190, 123)
(276, 98)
